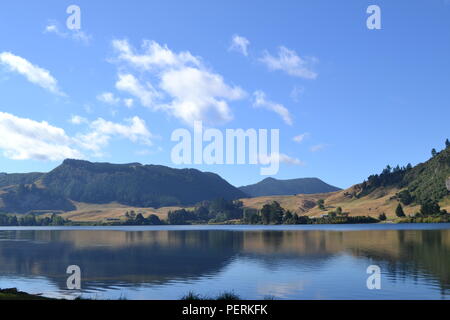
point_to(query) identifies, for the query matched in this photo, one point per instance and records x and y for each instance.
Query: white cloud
(102, 130)
(33, 73)
(24, 138)
(75, 34)
(300, 137)
(199, 95)
(289, 62)
(296, 92)
(75, 119)
(28, 139)
(318, 147)
(128, 102)
(261, 101)
(281, 158)
(145, 93)
(239, 44)
(108, 97)
(186, 88)
(155, 56)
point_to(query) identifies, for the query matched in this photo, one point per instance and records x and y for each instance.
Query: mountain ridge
(131, 184)
(276, 187)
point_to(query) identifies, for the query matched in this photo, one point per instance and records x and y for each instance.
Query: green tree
(321, 204)
(447, 143)
(429, 208)
(139, 220)
(399, 211)
(153, 219)
(288, 217)
(382, 217)
(405, 197)
(433, 152)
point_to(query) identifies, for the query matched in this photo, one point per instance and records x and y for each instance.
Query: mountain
(275, 187)
(130, 184)
(135, 184)
(18, 178)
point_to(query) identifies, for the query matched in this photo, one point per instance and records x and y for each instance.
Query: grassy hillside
(380, 193)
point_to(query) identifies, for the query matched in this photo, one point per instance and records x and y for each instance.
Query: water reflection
(163, 258)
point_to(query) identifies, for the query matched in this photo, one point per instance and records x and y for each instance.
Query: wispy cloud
(77, 35)
(239, 44)
(296, 92)
(318, 147)
(261, 101)
(290, 62)
(75, 119)
(300, 137)
(281, 158)
(32, 73)
(108, 97)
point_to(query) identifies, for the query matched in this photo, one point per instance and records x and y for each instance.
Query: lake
(256, 262)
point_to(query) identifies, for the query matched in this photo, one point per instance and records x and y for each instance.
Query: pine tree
(447, 143)
(433, 152)
(399, 211)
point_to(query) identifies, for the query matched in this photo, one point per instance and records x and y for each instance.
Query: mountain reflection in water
(292, 263)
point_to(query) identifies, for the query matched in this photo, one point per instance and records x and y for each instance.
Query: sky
(347, 100)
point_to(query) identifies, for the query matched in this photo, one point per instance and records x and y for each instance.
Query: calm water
(285, 262)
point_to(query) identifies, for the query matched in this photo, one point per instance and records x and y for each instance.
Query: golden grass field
(372, 205)
(380, 201)
(89, 212)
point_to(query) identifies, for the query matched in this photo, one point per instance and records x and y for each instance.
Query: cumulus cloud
(32, 73)
(199, 95)
(289, 62)
(185, 88)
(131, 85)
(300, 137)
(101, 131)
(239, 44)
(260, 101)
(24, 138)
(28, 139)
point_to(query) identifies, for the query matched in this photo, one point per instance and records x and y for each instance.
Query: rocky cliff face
(447, 183)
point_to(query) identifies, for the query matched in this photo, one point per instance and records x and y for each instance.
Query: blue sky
(114, 91)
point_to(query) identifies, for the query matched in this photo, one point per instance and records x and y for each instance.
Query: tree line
(32, 220)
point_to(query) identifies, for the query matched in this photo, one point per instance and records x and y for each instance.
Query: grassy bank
(14, 294)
